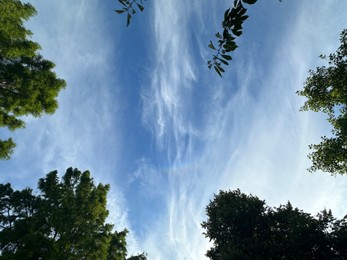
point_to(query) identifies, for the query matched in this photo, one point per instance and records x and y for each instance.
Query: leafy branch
(128, 7)
(232, 28)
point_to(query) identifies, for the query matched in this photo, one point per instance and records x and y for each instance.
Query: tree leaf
(220, 68)
(140, 7)
(227, 57)
(211, 46)
(128, 19)
(250, 2)
(224, 62)
(216, 69)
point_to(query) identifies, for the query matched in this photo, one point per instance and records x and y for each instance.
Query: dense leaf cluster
(326, 91)
(242, 227)
(28, 86)
(65, 221)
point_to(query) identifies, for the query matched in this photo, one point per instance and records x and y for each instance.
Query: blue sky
(143, 113)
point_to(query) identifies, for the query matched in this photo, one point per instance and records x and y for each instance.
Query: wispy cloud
(168, 97)
(254, 138)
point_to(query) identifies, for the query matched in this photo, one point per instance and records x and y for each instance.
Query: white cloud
(243, 131)
(254, 139)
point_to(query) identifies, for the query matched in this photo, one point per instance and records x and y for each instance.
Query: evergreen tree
(65, 221)
(28, 86)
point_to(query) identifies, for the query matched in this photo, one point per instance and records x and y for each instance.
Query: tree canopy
(243, 227)
(28, 86)
(326, 91)
(66, 220)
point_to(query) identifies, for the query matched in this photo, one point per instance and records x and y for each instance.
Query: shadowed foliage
(242, 227)
(65, 221)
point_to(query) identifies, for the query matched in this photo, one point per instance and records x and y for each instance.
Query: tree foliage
(232, 28)
(242, 227)
(28, 86)
(326, 91)
(65, 221)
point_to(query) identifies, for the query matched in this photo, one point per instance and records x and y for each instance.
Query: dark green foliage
(129, 8)
(65, 221)
(326, 91)
(28, 86)
(242, 227)
(232, 28)
(142, 256)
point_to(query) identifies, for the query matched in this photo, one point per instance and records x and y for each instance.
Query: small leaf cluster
(129, 9)
(232, 28)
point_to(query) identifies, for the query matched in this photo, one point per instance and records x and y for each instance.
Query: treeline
(66, 219)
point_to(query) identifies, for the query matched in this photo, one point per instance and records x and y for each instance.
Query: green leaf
(227, 57)
(119, 11)
(237, 33)
(218, 35)
(220, 68)
(244, 17)
(211, 46)
(140, 7)
(128, 19)
(224, 61)
(123, 2)
(230, 46)
(216, 69)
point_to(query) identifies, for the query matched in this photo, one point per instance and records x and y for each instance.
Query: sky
(143, 113)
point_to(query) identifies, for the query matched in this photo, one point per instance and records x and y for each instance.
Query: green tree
(326, 91)
(28, 86)
(65, 221)
(242, 227)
